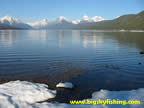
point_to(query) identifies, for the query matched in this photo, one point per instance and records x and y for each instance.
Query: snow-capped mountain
(60, 22)
(87, 19)
(39, 24)
(8, 21)
(64, 22)
(46, 24)
(76, 21)
(62, 19)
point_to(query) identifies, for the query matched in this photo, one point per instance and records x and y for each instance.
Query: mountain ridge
(127, 22)
(9, 22)
(130, 21)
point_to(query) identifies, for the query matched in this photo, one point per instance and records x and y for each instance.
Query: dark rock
(139, 63)
(142, 52)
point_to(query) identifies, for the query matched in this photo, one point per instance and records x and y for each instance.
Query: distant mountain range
(8, 22)
(64, 23)
(127, 22)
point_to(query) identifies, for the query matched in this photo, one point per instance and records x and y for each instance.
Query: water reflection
(7, 37)
(63, 38)
(68, 38)
(108, 59)
(37, 35)
(130, 39)
(91, 38)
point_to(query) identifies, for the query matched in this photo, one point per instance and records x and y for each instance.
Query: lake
(90, 59)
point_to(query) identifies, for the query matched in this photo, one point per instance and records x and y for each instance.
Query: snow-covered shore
(23, 94)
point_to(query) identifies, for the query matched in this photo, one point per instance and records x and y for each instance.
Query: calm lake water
(90, 59)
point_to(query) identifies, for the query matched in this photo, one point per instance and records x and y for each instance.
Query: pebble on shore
(65, 85)
(142, 52)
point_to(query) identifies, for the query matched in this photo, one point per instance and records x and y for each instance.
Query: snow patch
(131, 30)
(23, 91)
(103, 95)
(23, 94)
(136, 30)
(65, 85)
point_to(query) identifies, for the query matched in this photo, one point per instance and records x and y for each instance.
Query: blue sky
(33, 10)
